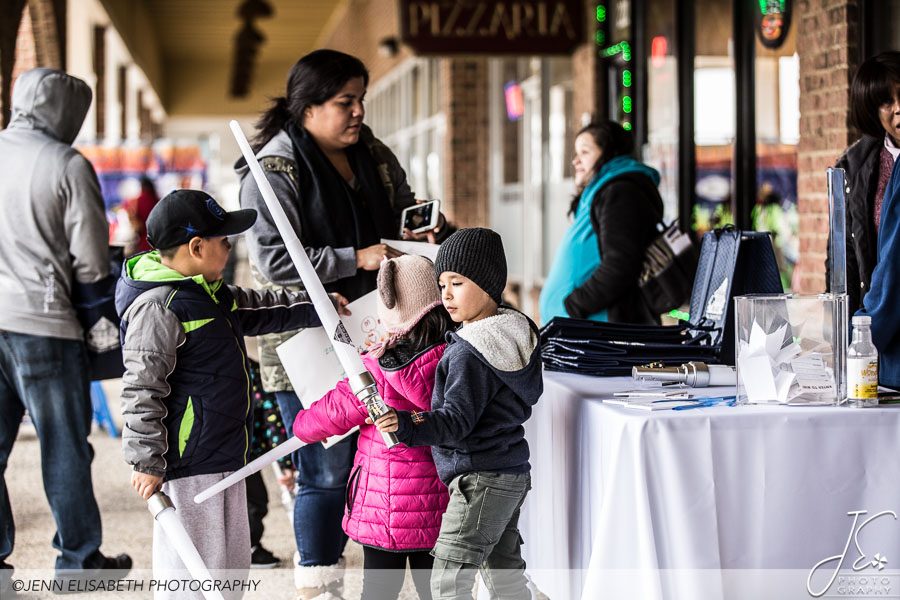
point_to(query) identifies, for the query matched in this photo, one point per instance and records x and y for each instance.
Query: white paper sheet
(311, 363)
(425, 249)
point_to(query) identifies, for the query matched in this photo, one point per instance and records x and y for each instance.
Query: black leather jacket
(860, 161)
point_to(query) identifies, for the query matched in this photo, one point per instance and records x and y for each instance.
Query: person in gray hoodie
(485, 386)
(53, 233)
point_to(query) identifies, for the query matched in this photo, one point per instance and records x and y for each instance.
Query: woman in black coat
(596, 269)
(875, 111)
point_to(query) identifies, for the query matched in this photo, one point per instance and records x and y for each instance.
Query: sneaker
(73, 581)
(260, 558)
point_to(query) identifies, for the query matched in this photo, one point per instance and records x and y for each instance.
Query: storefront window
(661, 150)
(777, 135)
(403, 110)
(714, 116)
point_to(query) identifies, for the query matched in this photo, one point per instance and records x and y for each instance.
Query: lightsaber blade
(361, 381)
(282, 449)
(163, 511)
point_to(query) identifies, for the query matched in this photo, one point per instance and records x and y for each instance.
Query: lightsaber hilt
(363, 385)
(159, 502)
(691, 374)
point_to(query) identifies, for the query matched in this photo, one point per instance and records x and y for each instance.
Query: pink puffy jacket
(395, 500)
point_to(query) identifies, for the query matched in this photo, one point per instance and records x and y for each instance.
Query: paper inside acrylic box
(791, 349)
(311, 364)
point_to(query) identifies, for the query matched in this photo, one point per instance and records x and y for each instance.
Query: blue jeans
(321, 479)
(49, 378)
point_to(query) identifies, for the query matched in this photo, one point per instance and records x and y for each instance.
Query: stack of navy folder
(732, 263)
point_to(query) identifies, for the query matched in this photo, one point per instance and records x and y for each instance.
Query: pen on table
(708, 402)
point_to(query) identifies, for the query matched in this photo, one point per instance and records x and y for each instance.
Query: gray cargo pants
(480, 531)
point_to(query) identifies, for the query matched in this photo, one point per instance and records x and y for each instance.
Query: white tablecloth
(617, 490)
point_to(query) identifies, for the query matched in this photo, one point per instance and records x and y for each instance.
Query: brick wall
(468, 126)
(26, 51)
(828, 38)
(32, 35)
(584, 59)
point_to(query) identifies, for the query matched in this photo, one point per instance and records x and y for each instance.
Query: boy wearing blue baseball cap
(186, 395)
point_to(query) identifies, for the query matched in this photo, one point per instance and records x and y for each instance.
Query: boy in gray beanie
(485, 386)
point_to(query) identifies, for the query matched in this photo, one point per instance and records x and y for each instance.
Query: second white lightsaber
(282, 449)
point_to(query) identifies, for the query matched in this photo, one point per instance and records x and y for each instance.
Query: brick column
(828, 46)
(584, 61)
(465, 81)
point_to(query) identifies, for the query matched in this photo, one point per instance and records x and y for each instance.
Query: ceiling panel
(204, 30)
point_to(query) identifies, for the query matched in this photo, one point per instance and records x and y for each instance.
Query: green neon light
(601, 13)
(626, 104)
(613, 50)
(626, 51)
(600, 38)
(626, 126)
(767, 6)
(680, 315)
(626, 78)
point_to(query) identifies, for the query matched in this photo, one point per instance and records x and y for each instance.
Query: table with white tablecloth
(757, 488)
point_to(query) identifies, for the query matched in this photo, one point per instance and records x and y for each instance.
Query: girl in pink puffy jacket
(395, 499)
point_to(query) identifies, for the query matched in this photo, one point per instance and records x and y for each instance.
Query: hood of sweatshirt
(508, 344)
(51, 102)
(145, 271)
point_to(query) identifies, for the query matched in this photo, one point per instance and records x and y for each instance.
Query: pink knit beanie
(407, 291)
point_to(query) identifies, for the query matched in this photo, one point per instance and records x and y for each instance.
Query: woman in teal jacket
(597, 265)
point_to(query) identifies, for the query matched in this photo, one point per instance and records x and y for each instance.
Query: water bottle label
(862, 378)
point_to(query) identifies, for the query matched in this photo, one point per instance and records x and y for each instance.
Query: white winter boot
(319, 583)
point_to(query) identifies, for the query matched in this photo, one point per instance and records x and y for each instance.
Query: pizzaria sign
(492, 27)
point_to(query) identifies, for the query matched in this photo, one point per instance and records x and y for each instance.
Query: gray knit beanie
(475, 253)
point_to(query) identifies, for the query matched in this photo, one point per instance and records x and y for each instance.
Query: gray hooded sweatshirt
(53, 226)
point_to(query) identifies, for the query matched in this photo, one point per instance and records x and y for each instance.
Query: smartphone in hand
(420, 217)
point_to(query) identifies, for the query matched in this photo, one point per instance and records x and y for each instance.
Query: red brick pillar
(828, 46)
(465, 81)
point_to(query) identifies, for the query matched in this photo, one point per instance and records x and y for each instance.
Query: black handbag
(668, 271)
(731, 263)
(95, 305)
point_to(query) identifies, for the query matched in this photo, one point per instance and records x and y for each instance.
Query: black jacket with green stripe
(186, 391)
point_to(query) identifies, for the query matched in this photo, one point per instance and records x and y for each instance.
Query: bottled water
(862, 365)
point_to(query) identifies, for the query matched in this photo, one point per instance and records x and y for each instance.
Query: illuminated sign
(773, 21)
(492, 27)
(515, 100)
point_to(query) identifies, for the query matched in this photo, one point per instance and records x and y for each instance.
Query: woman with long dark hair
(614, 217)
(342, 190)
(875, 112)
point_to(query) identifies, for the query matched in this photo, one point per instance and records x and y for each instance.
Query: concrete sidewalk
(127, 525)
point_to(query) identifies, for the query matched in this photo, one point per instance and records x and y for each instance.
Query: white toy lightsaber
(282, 449)
(361, 381)
(163, 511)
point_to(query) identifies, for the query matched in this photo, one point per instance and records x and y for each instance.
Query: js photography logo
(866, 576)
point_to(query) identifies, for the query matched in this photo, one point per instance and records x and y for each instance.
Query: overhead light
(388, 47)
(246, 45)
